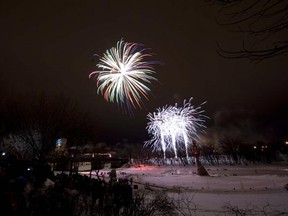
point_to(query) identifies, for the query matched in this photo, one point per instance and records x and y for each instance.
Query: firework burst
(172, 128)
(123, 75)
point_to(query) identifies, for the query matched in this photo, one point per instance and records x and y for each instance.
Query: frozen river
(243, 187)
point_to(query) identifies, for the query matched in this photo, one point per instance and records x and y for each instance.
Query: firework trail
(172, 126)
(157, 126)
(123, 75)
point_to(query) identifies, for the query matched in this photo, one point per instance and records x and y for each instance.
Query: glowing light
(123, 75)
(172, 128)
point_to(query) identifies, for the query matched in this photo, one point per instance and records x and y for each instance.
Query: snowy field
(247, 187)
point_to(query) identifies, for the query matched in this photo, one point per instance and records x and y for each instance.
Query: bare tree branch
(263, 23)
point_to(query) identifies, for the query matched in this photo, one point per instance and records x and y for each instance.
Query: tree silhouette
(263, 23)
(41, 120)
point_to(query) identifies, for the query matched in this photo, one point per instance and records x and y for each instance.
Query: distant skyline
(50, 46)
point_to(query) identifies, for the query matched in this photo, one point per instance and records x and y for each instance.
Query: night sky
(48, 46)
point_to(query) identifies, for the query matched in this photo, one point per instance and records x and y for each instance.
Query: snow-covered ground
(242, 186)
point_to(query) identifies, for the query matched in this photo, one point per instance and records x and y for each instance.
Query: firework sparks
(123, 75)
(157, 127)
(172, 127)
